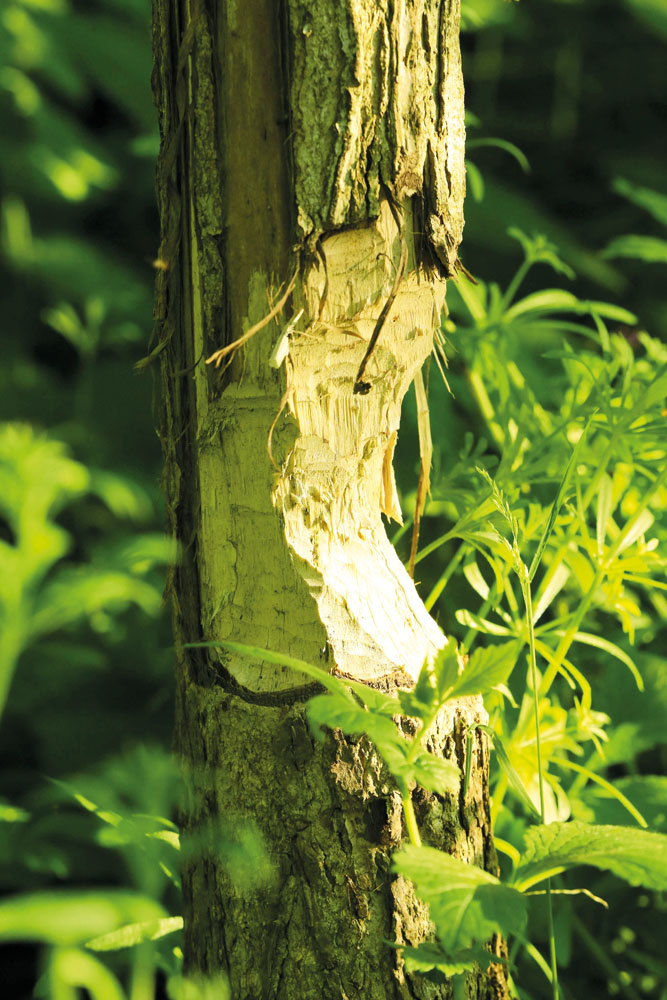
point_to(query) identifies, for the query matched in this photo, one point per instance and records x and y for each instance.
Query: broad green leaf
(433, 686)
(133, 934)
(337, 713)
(638, 856)
(547, 300)
(467, 904)
(70, 917)
(435, 774)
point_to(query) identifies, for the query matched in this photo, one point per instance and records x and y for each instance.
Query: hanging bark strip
(359, 385)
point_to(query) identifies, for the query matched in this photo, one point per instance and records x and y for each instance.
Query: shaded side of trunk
(287, 550)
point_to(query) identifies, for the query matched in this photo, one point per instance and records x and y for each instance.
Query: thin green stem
(515, 284)
(410, 818)
(528, 600)
(444, 579)
(525, 586)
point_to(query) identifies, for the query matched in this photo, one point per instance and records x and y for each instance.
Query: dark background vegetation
(577, 85)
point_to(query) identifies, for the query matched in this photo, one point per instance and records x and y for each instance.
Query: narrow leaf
(133, 934)
(560, 499)
(327, 680)
(513, 779)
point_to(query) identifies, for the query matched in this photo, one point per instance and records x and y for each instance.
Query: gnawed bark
(297, 560)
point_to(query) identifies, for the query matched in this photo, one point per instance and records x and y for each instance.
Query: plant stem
(444, 579)
(528, 600)
(410, 818)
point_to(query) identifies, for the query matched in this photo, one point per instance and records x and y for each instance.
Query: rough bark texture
(324, 140)
(375, 99)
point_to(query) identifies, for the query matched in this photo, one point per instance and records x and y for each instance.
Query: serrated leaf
(435, 774)
(133, 934)
(336, 713)
(428, 956)
(466, 904)
(486, 668)
(638, 856)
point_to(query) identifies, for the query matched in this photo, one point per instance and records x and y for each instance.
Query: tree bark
(319, 142)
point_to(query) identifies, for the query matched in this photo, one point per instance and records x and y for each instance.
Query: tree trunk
(319, 141)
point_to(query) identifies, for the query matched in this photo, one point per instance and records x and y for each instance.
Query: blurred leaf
(133, 934)
(213, 987)
(84, 591)
(69, 969)
(652, 201)
(646, 248)
(70, 917)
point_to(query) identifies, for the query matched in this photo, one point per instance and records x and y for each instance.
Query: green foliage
(559, 401)
(638, 856)
(68, 917)
(466, 904)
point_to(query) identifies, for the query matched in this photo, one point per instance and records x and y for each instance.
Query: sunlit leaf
(467, 904)
(638, 856)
